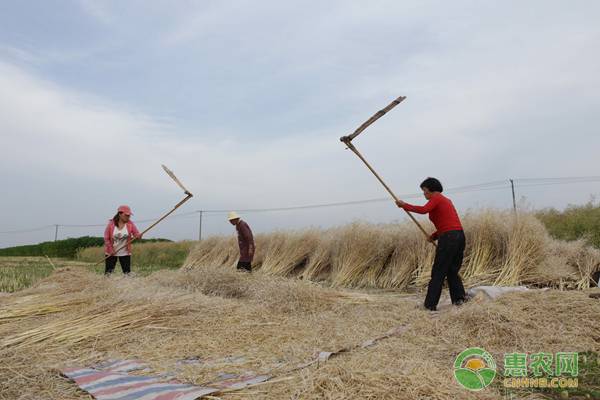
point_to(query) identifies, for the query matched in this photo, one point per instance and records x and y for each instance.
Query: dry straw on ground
(270, 325)
(501, 249)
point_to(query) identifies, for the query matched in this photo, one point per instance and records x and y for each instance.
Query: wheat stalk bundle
(21, 311)
(78, 328)
(288, 251)
(319, 261)
(501, 249)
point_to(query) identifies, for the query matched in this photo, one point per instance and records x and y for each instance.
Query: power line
(462, 189)
(486, 186)
(42, 228)
(187, 214)
(567, 179)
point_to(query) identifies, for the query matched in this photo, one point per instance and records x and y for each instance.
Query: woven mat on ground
(111, 381)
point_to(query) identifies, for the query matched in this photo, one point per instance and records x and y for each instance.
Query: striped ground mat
(105, 385)
(122, 366)
(111, 380)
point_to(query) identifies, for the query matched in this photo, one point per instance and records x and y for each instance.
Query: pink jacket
(132, 230)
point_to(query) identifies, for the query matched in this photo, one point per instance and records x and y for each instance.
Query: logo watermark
(475, 369)
(541, 370)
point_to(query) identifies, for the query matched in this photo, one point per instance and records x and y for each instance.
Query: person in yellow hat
(245, 241)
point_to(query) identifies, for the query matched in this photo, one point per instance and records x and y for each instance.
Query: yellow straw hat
(233, 215)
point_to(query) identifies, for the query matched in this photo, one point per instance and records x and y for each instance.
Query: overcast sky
(246, 101)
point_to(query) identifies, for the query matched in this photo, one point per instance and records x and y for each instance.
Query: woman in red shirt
(451, 243)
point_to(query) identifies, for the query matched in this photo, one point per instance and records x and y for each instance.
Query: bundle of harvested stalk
(78, 328)
(218, 251)
(27, 310)
(290, 252)
(360, 255)
(501, 250)
(318, 266)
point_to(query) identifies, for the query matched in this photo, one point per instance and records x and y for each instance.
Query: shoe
(462, 301)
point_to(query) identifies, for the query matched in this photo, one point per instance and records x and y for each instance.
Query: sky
(245, 101)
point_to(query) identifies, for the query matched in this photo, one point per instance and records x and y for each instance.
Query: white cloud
(493, 92)
(77, 135)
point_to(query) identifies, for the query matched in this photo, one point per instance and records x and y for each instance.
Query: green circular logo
(474, 369)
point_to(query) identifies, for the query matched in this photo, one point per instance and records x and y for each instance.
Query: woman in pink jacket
(117, 240)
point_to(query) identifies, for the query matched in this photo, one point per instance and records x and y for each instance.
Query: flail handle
(389, 190)
(347, 140)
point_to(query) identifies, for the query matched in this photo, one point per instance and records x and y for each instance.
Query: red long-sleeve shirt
(441, 212)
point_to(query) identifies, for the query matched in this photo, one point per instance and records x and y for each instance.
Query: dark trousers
(111, 262)
(595, 279)
(448, 260)
(244, 265)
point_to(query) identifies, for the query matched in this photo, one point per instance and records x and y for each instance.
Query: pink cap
(125, 210)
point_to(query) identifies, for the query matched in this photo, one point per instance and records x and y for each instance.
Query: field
(17, 273)
(239, 323)
(311, 292)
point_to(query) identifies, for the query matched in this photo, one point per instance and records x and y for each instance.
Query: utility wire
(472, 188)
(42, 228)
(486, 186)
(571, 179)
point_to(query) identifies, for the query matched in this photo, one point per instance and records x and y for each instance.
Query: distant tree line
(66, 248)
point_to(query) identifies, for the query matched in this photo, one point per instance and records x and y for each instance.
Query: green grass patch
(575, 222)
(146, 257)
(21, 273)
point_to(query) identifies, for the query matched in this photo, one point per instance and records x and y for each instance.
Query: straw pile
(501, 250)
(236, 322)
(29, 306)
(214, 251)
(286, 252)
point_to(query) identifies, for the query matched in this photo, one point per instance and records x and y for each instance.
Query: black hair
(116, 218)
(432, 184)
